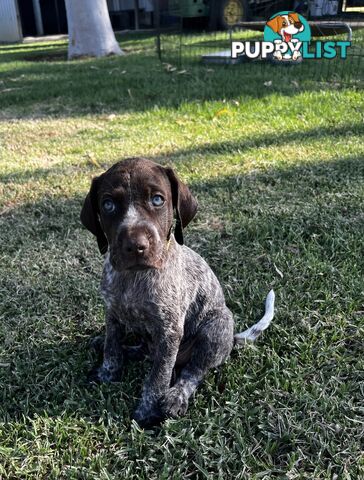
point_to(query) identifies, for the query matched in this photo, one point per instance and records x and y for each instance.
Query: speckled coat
(180, 312)
(156, 288)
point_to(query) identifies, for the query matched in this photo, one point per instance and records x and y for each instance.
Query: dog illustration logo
(287, 38)
(287, 28)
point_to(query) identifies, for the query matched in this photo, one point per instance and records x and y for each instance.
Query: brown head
(131, 209)
(282, 23)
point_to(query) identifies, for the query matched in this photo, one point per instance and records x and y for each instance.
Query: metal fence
(193, 47)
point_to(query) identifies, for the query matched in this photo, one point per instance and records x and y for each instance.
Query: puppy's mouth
(139, 267)
(287, 36)
(134, 263)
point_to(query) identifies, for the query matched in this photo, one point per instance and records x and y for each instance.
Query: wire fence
(197, 49)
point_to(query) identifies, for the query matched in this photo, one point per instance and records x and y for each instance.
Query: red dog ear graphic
(274, 24)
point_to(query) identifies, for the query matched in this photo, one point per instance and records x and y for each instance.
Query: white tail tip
(253, 332)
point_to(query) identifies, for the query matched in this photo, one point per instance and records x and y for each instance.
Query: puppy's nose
(298, 24)
(137, 245)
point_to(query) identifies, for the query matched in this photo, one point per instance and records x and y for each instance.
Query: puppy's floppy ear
(274, 24)
(294, 16)
(184, 204)
(90, 216)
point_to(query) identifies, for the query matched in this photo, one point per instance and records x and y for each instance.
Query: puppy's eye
(157, 200)
(108, 205)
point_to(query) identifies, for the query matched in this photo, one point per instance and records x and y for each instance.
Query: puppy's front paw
(104, 375)
(174, 403)
(97, 344)
(148, 416)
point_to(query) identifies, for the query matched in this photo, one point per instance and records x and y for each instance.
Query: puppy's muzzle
(137, 246)
(134, 242)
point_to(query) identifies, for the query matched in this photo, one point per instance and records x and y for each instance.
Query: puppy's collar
(177, 231)
(169, 233)
(168, 242)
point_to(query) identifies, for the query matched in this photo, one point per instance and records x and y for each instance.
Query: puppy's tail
(253, 332)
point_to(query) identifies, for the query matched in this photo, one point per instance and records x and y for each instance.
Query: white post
(38, 17)
(136, 14)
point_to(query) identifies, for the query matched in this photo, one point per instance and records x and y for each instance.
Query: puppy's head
(286, 25)
(131, 210)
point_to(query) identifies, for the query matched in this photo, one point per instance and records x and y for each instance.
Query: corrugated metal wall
(10, 29)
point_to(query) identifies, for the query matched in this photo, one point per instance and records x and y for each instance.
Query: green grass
(278, 172)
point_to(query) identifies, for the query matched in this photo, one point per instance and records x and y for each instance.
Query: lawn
(278, 171)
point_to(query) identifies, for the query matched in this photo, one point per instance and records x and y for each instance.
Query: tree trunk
(89, 29)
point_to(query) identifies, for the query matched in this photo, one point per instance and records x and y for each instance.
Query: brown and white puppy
(287, 26)
(157, 288)
(141, 196)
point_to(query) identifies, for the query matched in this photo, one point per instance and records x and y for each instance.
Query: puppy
(287, 26)
(156, 288)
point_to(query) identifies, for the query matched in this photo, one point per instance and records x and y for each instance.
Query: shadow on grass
(306, 219)
(137, 81)
(216, 148)
(286, 138)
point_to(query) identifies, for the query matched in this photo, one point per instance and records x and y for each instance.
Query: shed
(22, 18)
(10, 26)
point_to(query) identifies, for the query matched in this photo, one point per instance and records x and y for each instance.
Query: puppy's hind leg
(212, 346)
